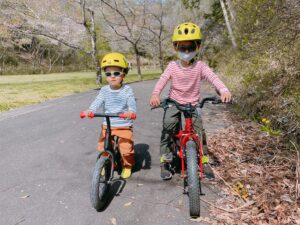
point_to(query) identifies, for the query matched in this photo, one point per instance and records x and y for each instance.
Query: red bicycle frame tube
(184, 136)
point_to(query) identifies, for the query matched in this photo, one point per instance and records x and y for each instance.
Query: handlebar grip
(82, 115)
(132, 116)
(91, 115)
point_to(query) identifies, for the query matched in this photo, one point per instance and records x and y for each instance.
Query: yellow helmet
(115, 59)
(186, 32)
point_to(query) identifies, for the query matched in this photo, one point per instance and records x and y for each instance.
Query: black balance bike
(107, 162)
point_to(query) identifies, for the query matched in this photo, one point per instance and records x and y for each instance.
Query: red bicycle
(107, 162)
(187, 150)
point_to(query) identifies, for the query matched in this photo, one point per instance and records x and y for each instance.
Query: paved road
(47, 156)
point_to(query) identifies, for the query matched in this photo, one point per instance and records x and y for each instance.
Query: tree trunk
(228, 24)
(99, 76)
(2, 67)
(138, 63)
(50, 65)
(62, 62)
(50, 62)
(230, 9)
(91, 29)
(161, 58)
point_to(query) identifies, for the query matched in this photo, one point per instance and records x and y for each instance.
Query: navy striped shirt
(115, 101)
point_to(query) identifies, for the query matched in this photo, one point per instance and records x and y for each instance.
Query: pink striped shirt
(185, 81)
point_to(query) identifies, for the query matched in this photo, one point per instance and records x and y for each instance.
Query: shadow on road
(116, 187)
(142, 157)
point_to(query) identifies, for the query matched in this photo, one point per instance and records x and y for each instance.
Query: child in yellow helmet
(117, 98)
(186, 74)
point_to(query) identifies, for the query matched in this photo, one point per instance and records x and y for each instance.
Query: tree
(67, 22)
(127, 19)
(228, 24)
(156, 26)
(196, 4)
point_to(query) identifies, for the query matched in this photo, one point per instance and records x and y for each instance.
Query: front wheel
(193, 178)
(100, 183)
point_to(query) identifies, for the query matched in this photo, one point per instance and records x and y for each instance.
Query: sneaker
(165, 172)
(208, 172)
(126, 172)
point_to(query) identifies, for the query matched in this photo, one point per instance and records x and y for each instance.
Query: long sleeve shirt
(185, 81)
(115, 101)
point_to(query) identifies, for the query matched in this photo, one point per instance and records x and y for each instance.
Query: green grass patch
(17, 91)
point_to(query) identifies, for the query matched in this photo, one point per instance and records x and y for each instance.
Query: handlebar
(92, 115)
(165, 103)
(213, 100)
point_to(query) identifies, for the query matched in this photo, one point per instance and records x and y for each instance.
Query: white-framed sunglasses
(114, 73)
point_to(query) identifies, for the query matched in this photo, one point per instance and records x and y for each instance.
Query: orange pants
(125, 135)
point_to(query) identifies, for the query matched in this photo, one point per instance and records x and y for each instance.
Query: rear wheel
(100, 182)
(193, 179)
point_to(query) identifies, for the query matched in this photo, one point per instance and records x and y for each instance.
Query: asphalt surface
(47, 155)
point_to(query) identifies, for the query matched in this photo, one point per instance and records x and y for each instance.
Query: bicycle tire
(193, 178)
(100, 184)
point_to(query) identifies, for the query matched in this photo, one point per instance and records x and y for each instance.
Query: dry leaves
(260, 169)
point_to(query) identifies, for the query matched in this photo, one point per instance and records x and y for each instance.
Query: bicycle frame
(108, 147)
(186, 134)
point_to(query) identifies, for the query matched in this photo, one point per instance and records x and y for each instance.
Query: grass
(21, 90)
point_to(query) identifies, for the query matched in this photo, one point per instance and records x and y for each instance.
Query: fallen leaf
(286, 198)
(128, 204)
(179, 202)
(25, 196)
(113, 221)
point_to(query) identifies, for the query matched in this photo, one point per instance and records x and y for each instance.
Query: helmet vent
(116, 60)
(193, 31)
(186, 30)
(179, 32)
(104, 61)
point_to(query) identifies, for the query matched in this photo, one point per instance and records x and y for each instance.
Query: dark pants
(171, 121)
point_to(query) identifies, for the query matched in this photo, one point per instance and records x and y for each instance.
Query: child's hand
(86, 112)
(226, 97)
(154, 101)
(128, 115)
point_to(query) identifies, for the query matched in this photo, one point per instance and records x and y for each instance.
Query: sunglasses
(115, 73)
(189, 48)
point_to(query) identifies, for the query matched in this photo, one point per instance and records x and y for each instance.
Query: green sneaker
(165, 172)
(208, 172)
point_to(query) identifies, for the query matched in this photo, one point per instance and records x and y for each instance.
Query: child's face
(114, 76)
(186, 46)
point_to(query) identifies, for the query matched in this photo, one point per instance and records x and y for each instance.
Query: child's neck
(116, 87)
(185, 64)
